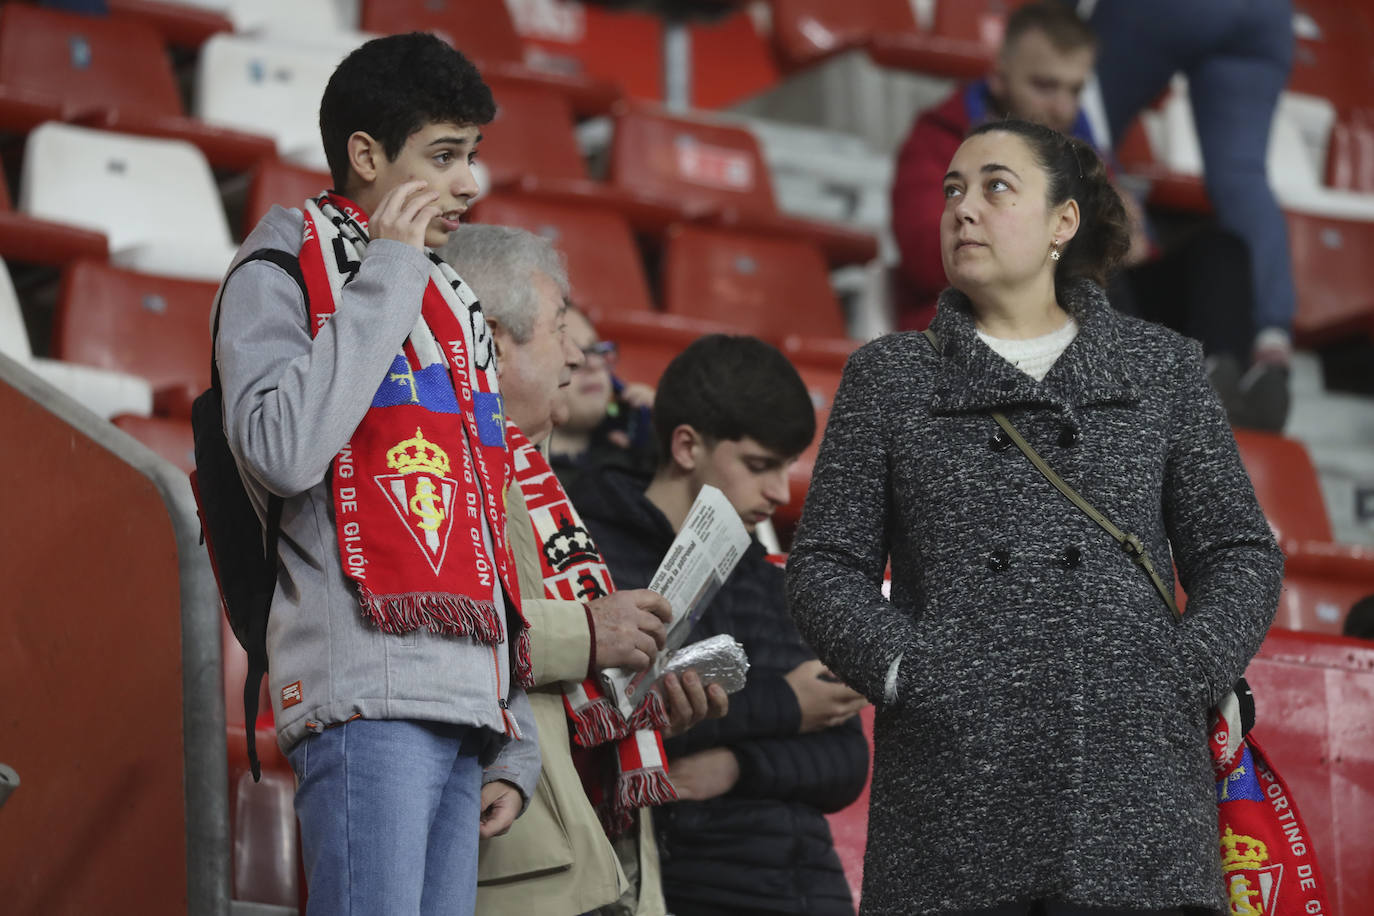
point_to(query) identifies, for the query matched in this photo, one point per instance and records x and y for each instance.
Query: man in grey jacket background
(400, 713)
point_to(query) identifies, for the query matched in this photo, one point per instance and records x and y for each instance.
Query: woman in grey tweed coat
(1041, 729)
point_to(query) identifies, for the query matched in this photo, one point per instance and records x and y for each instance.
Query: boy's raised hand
(404, 213)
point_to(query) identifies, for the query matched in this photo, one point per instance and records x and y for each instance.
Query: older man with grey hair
(556, 860)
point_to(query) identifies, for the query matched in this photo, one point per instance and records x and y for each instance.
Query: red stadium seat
(182, 25)
(604, 265)
(590, 39)
(150, 326)
(103, 72)
(484, 30)
(648, 341)
(758, 285)
(285, 184)
(37, 241)
(1313, 696)
(731, 61)
(1286, 483)
(667, 168)
(1333, 274)
(1350, 153)
(821, 372)
(806, 32)
(531, 137)
(1322, 578)
(1334, 53)
(961, 43)
(170, 437)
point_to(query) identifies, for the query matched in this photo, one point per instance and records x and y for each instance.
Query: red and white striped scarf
(419, 490)
(574, 571)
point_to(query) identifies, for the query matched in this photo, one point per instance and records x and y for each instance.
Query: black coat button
(999, 560)
(999, 440)
(952, 348)
(1071, 557)
(1067, 437)
(1007, 384)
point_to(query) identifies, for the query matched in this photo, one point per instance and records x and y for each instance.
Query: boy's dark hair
(726, 388)
(393, 86)
(1061, 25)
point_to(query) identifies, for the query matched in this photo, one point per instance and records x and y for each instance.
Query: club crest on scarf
(422, 494)
(1252, 883)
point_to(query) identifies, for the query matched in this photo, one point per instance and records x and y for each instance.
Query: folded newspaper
(702, 556)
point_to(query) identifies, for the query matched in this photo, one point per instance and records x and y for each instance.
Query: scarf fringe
(644, 787)
(651, 713)
(456, 615)
(596, 723)
(524, 666)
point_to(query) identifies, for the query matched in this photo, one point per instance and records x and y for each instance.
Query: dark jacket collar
(972, 376)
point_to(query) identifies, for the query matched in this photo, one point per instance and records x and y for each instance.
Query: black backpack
(243, 559)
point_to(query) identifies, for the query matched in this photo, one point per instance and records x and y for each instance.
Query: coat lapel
(972, 377)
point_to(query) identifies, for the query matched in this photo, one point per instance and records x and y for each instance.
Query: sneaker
(1263, 398)
(1223, 371)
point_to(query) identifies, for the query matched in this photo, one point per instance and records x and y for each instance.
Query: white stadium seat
(156, 200)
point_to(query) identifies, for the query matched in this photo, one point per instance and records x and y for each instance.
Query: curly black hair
(393, 86)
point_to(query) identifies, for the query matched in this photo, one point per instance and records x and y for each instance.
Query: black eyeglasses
(606, 349)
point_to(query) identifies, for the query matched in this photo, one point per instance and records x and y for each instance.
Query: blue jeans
(389, 817)
(1236, 55)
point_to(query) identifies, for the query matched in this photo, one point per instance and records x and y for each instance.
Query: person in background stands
(608, 421)
(1199, 285)
(1237, 57)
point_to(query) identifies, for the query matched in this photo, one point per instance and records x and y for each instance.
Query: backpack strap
(257, 667)
(1130, 543)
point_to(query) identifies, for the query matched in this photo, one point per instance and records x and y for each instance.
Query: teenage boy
(557, 861)
(362, 391)
(749, 835)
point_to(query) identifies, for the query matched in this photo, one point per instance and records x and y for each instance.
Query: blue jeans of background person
(389, 817)
(1236, 55)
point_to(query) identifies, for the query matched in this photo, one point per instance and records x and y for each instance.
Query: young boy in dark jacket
(749, 834)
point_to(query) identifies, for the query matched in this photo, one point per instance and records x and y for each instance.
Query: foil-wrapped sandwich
(717, 660)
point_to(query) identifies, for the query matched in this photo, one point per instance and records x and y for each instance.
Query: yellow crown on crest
(1241, 852)
(419, 454)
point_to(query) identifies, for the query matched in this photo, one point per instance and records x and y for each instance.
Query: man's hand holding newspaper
(701, 558)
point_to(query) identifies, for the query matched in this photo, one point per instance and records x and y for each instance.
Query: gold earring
(1054, 251)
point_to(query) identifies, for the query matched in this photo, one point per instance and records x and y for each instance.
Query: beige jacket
(556, 860)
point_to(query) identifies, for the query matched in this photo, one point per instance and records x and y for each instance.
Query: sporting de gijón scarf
(625, 767)
(420, 488)
(1268, 864)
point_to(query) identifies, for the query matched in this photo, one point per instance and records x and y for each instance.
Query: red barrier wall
(90, 677)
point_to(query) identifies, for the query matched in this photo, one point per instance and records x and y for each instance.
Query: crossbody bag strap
(1130, 543)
